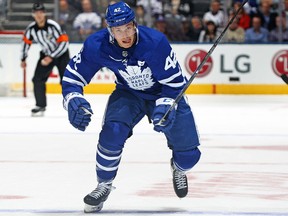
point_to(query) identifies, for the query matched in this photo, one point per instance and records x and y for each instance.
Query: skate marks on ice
(243, 170)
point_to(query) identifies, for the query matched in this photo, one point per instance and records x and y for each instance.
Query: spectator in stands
(235, 33)
(185, 8)
(140, 15)
(250, 7)
(76, 4)
(173, 16)
(209, 34)
(67, 15)
(170, 5)
(101, 6)
(200, 7)
(280, 33)
(88, 21)
(285, 12)
(161, 25)
(273, 3)
(153, 9)
(256, 34)
(195, 29)
(185, 28)
(268, 18)
(215, 14)
(131, 3)
(243, 17)
(172, 32)
(174, 25)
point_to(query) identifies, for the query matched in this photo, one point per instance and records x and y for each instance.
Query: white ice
(47, 166)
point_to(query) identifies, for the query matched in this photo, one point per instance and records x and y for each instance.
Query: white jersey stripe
(72, 81)
(76, 74)
(167, 80)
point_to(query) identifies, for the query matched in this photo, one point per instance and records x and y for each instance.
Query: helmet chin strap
(111, 35)
(137, 35)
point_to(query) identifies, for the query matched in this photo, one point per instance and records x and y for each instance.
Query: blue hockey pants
(124, 110)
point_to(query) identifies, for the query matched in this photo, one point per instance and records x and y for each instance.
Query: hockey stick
(284, 78)
(24, 83)
(177, 99)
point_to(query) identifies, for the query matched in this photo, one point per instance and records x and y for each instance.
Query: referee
(54, 44)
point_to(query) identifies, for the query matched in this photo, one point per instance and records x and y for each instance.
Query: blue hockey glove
(162, 105)
(79, 110)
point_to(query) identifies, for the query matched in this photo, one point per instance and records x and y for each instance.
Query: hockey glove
(79, 110)
(162, 106)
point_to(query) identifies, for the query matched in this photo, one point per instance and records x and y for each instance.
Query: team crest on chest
(138, 78)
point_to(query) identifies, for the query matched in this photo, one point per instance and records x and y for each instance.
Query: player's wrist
(70, 96)
(165, 101)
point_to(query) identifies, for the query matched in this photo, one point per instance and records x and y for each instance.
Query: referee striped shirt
(53, 41)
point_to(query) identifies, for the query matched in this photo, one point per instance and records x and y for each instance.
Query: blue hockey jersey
(148, 69)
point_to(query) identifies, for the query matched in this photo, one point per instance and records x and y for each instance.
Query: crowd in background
(185, 20)
(260, 21)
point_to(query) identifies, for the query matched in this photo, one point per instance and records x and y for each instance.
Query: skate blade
(92, 209)
(38, 114)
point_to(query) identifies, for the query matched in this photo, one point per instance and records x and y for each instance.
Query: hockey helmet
(119, 14)
(38, 6)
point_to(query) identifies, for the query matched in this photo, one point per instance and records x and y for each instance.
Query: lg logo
(280, 62)
(240, 63)
(194, 59)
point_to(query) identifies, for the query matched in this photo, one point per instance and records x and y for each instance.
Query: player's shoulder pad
(150, 35)
(151, 41)
(96, 43)
(97, 39)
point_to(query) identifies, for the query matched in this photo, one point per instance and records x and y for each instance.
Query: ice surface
(47, 166)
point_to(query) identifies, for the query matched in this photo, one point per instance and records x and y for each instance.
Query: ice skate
(38, 111)
(180, 183)
(94, 200)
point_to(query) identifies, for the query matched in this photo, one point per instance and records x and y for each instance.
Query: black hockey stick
(284, 78)
(177, 99)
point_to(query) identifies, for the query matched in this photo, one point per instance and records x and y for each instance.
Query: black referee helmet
(38, 6)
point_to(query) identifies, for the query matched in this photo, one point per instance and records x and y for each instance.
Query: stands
(16, 15)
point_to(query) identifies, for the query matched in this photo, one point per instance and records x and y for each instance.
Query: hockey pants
(124, 110)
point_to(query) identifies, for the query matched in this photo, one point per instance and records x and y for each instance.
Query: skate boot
(180, 183)
(38, 111)
(94, 200)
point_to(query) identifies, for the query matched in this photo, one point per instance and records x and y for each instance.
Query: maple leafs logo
(136, 78)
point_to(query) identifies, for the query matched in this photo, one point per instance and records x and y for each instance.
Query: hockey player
(148, 79)
(54, 44)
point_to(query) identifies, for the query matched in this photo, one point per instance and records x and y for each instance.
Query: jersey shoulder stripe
(31, 26)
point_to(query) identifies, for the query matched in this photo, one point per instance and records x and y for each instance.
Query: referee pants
(42, 73)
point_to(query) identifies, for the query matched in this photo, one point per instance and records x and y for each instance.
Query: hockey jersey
(149, 68)
(53, 40)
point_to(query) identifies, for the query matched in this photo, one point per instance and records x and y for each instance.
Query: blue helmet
(119, 14)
